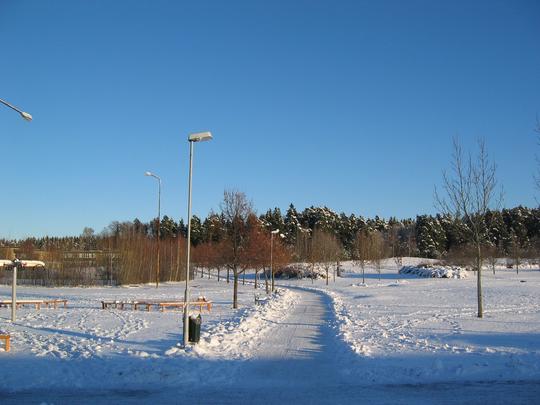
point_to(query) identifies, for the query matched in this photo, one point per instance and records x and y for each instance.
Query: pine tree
(292, 225)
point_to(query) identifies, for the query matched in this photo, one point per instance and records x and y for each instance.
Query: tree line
(509, 233)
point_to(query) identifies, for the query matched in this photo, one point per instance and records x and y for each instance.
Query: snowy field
(397, 339)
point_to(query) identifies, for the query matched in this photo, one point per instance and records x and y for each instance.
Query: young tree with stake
(470, 190)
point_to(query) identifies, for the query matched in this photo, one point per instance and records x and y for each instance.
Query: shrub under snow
(300, 270)
(435, 271)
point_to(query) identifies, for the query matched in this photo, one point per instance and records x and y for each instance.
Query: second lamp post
(198, 137)
(272, 233)
(158, 222)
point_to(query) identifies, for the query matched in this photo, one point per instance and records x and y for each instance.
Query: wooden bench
(36, 303)
(55, 303)
(160, 305)
(6, 339)
(121, 304)
(201, 304)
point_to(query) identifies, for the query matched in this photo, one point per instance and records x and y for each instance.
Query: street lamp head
(155, 176)
(200, 137)
(23, 114)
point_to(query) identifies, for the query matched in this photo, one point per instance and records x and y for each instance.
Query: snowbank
(430, 271)
(236, 338)
(301, 270)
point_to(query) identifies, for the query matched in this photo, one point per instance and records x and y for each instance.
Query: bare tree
(303, 250)
(396, 250)
(236, 209)
(378, 250)
(534, 251)
(470, 190)
(362, 248)
(516, 252)
(492, 254)
(217, 256)
(326, 250)
(258, 248)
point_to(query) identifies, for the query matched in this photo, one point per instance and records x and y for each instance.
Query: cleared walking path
(301, 350)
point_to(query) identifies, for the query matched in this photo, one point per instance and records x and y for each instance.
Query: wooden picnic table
(160, 305)
(36, 303)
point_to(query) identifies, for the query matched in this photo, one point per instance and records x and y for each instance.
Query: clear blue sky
(349, 104)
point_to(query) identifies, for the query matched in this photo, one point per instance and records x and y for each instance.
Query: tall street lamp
(158, 222)
(16, 262)
(25, 115)
(197, 137)
(271, 255)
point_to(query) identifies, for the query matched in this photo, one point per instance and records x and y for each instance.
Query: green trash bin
(194, 334)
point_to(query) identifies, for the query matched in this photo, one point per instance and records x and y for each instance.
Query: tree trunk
(267, 285)
(256, 274)
(228, 275)
(218, 273)
(479, 280)
(235, 290)
(327, 276)
(244, 278)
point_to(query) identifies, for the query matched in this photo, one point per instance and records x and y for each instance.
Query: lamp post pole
(158, 224)
(272, 255)
(198, 137)
(23, 114)
(16, 263)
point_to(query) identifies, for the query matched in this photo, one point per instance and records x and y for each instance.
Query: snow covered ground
(413, 330)
(397, 339)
